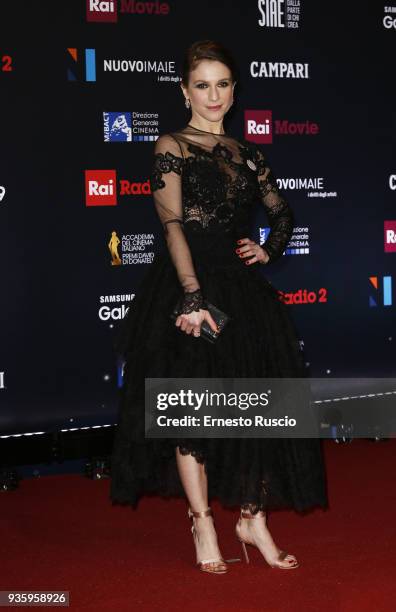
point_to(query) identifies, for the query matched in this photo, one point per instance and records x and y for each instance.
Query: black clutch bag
(219, 317)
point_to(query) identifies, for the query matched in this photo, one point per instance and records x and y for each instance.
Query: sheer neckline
(205, 131)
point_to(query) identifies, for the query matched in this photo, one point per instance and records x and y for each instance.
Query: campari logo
(390, 236)
(100, 188)
(260, 128)
(102, 11)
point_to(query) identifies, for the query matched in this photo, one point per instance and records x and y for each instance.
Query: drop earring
(187, 103)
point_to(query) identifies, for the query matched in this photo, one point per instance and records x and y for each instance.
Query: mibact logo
(258, 126)
(390, 236)
(102, 11)
(117, 127)
(100, 188)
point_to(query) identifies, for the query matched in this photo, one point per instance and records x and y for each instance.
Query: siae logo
(100, 188)
(102, 11)
(390, 236)
(78, 70)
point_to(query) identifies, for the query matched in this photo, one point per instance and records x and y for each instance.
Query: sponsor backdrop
(86, 89)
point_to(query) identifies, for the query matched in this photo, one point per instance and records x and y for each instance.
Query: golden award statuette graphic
(113, 246)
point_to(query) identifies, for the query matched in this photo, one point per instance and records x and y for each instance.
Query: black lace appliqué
(192, 302)
(164, 163)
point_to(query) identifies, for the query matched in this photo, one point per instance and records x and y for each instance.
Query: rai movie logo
(100, 188)
(390, 236)
(102, 11)
(258, 126)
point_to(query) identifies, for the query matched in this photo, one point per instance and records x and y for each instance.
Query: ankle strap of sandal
(248, 515)
(207, 512)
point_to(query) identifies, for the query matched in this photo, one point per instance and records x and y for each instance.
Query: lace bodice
(207, 184)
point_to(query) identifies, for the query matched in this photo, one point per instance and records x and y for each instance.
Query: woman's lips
(214, 107)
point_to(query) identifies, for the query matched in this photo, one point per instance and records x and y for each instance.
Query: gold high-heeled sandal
(282, 554)
(207, 565)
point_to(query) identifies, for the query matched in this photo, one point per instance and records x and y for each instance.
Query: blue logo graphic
(117, 127)
(74, 70)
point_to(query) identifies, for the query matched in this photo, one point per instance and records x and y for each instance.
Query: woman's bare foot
(205, 538)
(206, 544)
(255, 531)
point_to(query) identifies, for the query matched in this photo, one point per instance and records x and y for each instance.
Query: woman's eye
(222, 84)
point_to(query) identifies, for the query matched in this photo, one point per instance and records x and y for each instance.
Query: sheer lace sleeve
(279, 213)
(166, 187)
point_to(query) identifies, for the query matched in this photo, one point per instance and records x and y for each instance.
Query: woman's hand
(191, 323)
(251, 249)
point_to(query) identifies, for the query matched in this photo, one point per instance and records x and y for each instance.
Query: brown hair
(207, 49)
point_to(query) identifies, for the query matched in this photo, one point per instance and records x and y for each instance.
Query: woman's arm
(166, 187)
(279, 213)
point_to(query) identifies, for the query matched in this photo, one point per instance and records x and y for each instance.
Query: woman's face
(210, 90)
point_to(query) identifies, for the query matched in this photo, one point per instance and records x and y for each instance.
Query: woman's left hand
(248, 248)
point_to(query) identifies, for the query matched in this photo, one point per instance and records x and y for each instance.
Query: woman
(205, 185)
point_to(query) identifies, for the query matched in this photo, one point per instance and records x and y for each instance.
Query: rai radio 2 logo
(100, 188)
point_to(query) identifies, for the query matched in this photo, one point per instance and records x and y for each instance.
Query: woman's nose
(213, 95)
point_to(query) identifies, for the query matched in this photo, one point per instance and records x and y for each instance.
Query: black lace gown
(206, 186)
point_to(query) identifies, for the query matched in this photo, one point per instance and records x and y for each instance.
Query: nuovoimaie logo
(102, 11)
(117, 127)
(390, 236)
(100, 188)
(78, 70)
(383, 298)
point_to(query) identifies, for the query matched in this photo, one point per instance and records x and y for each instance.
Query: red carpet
(62, 533)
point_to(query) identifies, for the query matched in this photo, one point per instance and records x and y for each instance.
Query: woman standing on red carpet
(206, 185)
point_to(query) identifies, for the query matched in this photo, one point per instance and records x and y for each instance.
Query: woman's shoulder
(168, 143)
